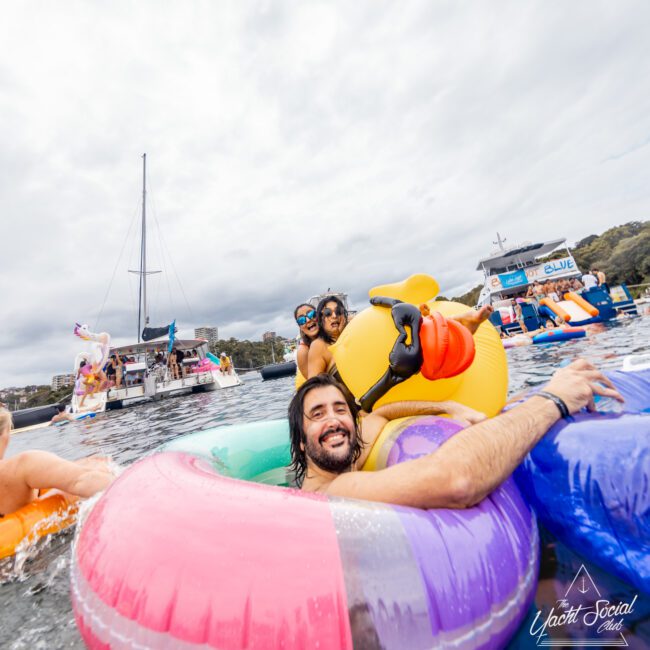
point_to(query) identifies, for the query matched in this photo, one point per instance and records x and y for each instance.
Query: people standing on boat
(111, 370)
(519, 316)
(172, 363)
(561, 287)
(329, 442)
(589, 281)
(158, 367)
(305, 317)
(23, 475)
(180, 355)
(225, 364)
(602, 279)
(550, 291)
(119, 371)
(576, 285)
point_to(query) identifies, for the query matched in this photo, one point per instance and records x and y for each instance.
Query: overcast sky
(296, 146)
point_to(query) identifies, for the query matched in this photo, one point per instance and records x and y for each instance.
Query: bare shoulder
(317, 347)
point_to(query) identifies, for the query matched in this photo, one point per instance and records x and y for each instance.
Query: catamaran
(144, 377)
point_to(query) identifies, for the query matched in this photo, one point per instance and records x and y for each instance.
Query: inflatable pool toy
(559, 334)
(179, 553)
(95, 359)
(367, 345)
(574, 308)
(47, 514)
(588, 480)
(205, 365)
(99, 355)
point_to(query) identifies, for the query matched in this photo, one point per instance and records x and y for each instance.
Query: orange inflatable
(581, 302)
(48, 514)
(447, 346)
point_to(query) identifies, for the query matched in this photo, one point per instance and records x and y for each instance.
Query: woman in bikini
(332, 317)
(305, 317)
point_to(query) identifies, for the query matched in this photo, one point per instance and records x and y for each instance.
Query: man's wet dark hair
(296, 431)
(319, 316)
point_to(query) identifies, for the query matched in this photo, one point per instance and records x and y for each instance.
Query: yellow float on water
(49, 514)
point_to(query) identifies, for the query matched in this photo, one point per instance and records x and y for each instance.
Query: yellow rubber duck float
(365, 351)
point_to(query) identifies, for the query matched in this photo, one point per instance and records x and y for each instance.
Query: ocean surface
(35, 609)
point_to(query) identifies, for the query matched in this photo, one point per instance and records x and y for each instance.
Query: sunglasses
(327, 312)
(310, 315)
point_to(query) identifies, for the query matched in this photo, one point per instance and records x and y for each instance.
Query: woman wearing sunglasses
(332, 317)
(305, 316)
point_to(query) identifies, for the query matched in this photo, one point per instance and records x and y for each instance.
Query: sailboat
(145, 373)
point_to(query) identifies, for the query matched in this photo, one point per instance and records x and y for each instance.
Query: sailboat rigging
(143, 313)
(145, 370)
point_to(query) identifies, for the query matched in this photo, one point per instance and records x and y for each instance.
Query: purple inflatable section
(463, 578)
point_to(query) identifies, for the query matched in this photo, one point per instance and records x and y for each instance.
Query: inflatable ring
(49, 514)
(181, 552)
(559, 334)
(363, 349)
(588, 481)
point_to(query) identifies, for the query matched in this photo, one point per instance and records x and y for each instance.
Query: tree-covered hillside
(249, 354)
(622, 253)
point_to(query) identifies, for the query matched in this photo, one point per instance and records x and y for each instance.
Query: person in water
(305, 317)
(23, 475)
(328, 443)
(62, 415)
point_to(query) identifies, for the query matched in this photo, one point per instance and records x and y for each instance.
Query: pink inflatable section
(304, 578)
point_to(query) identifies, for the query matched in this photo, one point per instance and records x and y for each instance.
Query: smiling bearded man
(328, 442)
(327, 437)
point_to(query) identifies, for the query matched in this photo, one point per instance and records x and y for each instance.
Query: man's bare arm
(475, 461)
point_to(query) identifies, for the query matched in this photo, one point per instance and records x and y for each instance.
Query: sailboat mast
(143, 258)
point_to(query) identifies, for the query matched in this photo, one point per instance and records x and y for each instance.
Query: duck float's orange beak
(447, 346)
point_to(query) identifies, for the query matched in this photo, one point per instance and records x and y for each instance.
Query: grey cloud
(292, 148)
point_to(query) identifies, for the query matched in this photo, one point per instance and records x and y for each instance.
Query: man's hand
(577, 384)
(464, 414)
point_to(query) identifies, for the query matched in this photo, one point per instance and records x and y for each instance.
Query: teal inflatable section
(253, 451)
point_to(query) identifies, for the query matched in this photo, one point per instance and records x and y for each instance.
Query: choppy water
(35, 610)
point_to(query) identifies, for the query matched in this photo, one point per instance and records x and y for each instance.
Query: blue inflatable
(588, 480)
(559, 334)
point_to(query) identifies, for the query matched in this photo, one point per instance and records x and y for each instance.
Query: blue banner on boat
(172, 336)
(513, 279)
